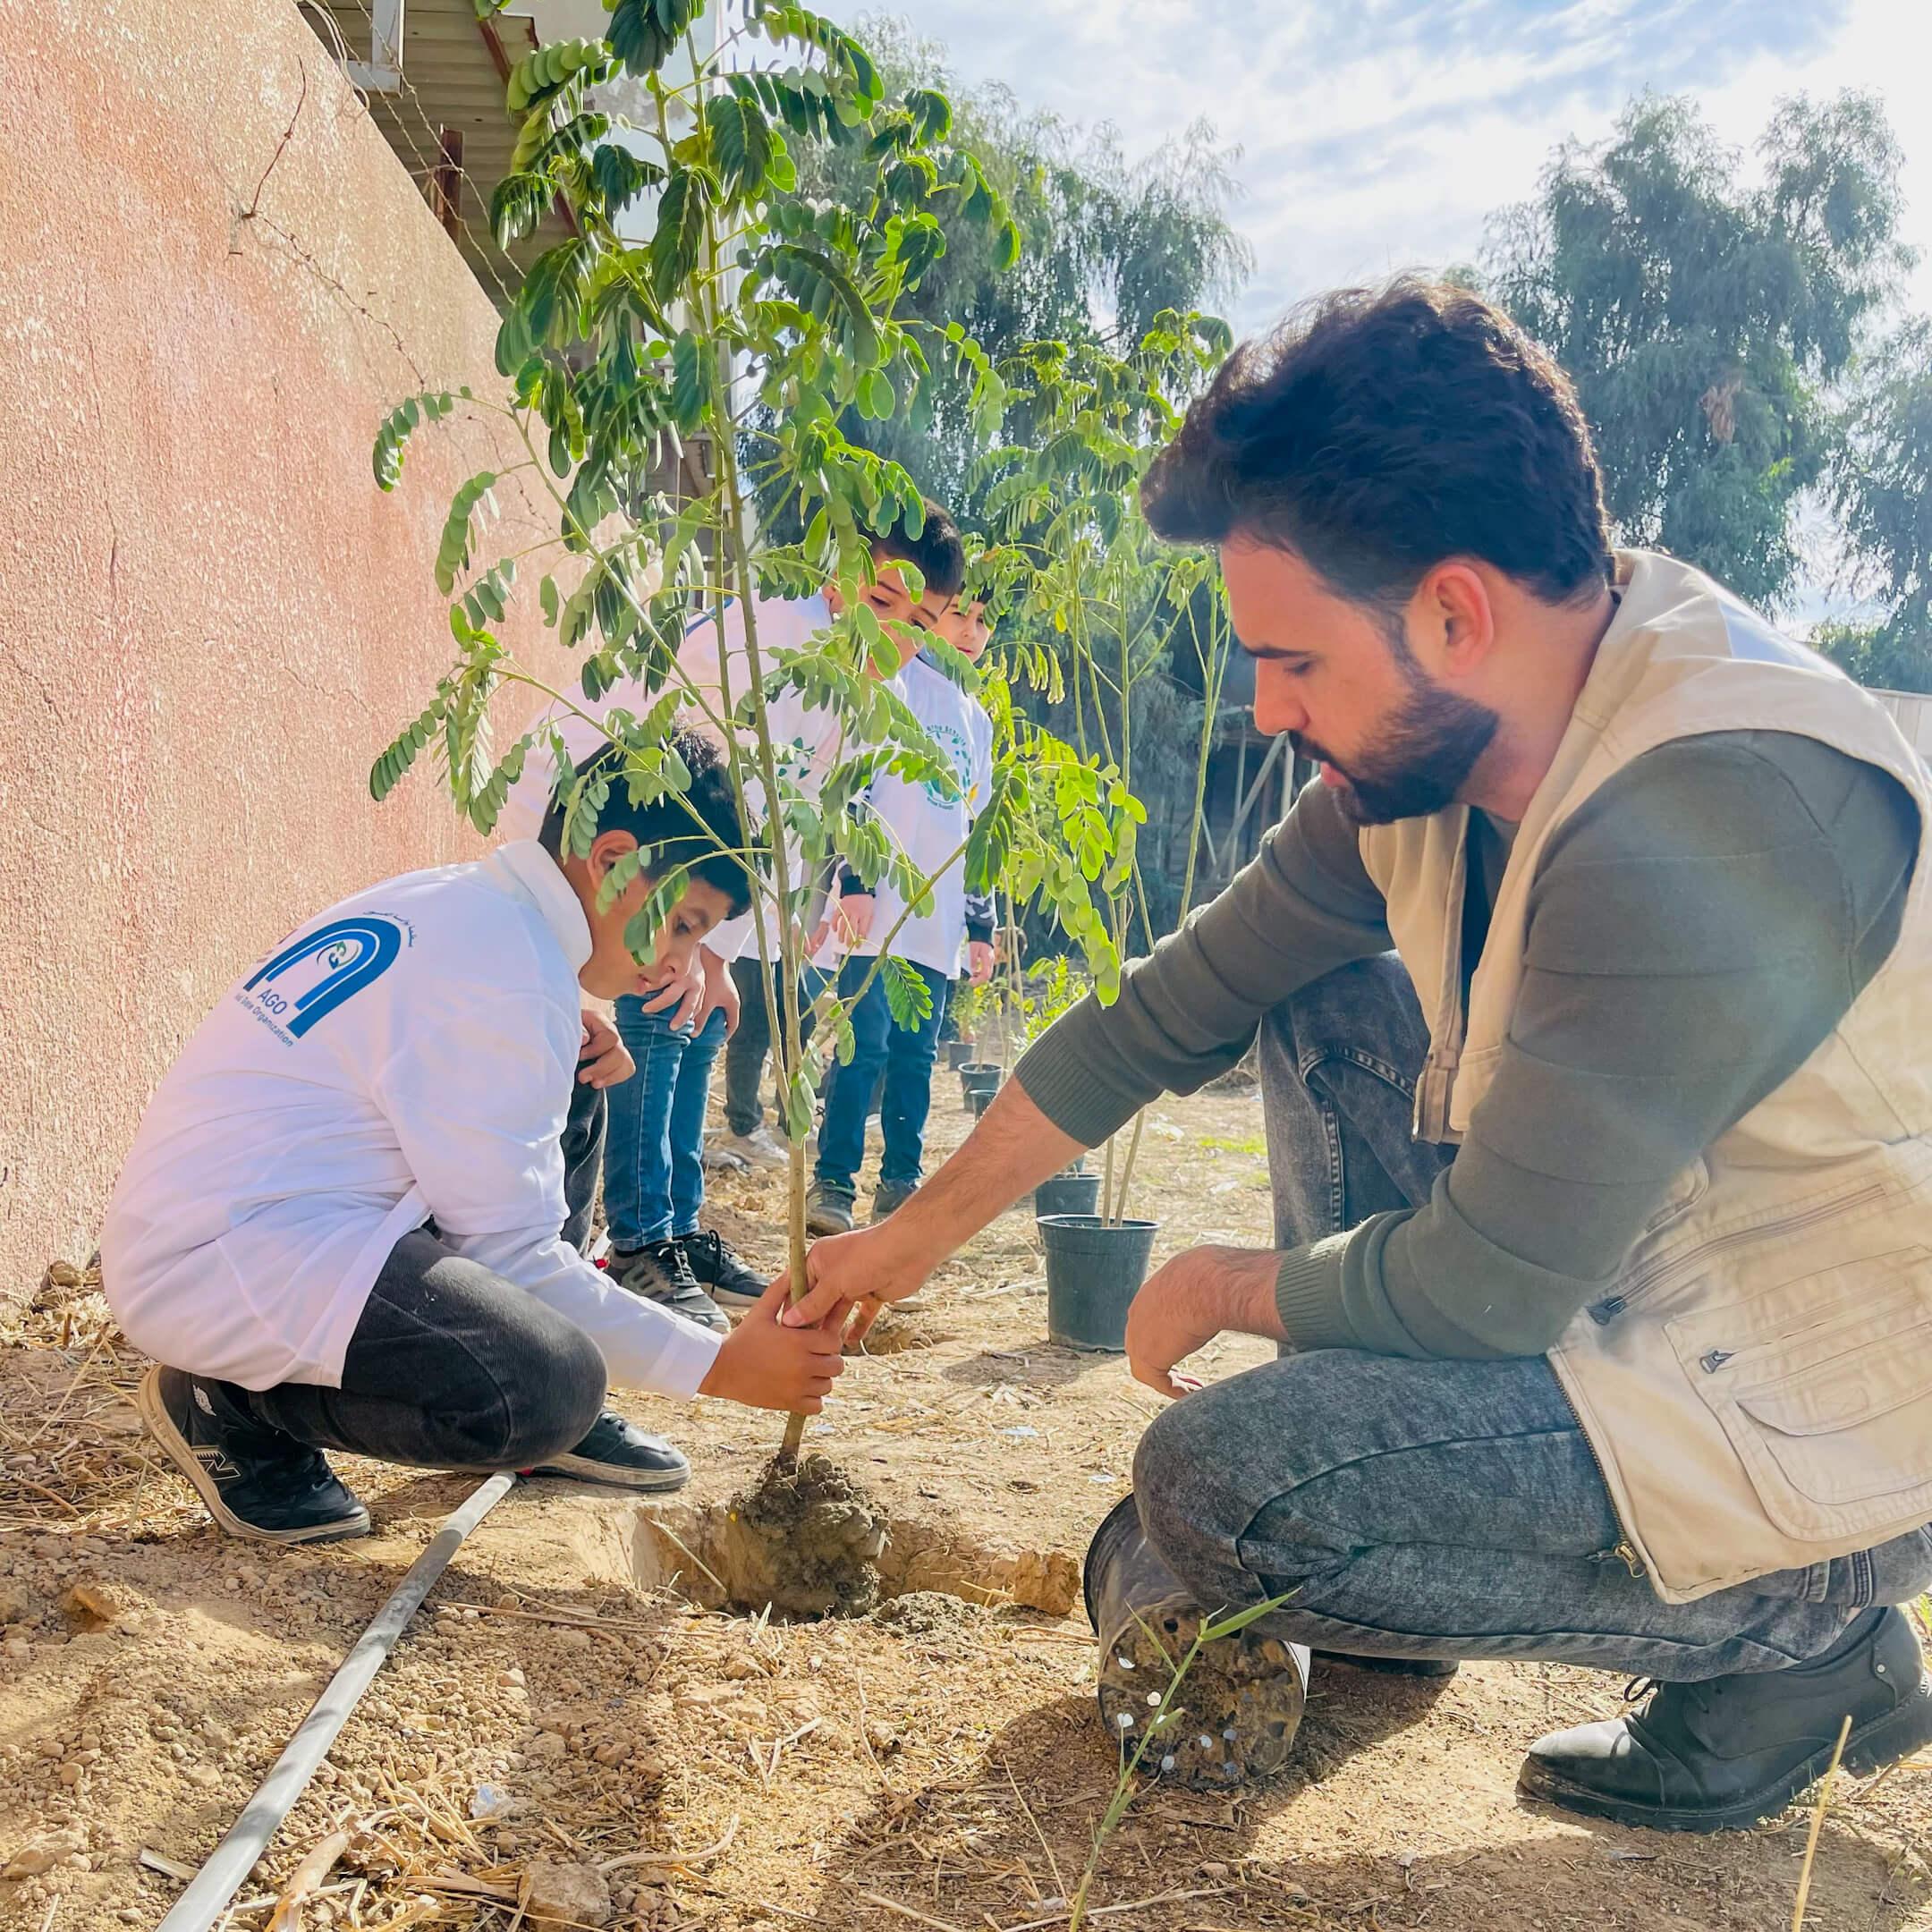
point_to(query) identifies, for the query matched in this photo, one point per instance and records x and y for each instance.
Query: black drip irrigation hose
(217, 1883)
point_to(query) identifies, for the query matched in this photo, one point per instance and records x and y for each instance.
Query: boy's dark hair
(1377, 432)
(937, 550)
(664, 828)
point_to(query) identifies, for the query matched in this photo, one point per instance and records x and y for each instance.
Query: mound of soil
(805, 1539)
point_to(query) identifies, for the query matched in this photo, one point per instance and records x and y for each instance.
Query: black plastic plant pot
(980, 1076)
(980, 1098)
(1067, 1194)
(960, 1052)
(1094, 1270)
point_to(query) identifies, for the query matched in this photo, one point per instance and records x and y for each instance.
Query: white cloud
(1380, 134)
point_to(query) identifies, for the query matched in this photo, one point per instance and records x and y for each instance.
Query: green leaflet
(399, 424)
(452, 553)
(908, 997)
(679, 238)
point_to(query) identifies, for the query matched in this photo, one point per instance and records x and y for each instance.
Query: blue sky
(1376, 134)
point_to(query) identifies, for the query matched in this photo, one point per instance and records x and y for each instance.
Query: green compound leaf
(678, 239)
(642, 33)
(908, 997)
(452, 553)
(622, 876)
(396, 427)
(822, 288)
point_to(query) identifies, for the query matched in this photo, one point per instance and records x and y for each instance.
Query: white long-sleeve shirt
(809, 738)
(408, 1053)
(930, 827)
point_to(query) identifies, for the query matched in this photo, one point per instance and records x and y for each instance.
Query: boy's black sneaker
(724, 1274)
(1723, 1754)
(660, 1272)
(622, 1456)
(256, 1481)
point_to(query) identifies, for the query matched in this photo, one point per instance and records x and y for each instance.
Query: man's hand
(851, 920)
(979, 960)
(850, 1277)
(721, 991)
(1013, 1147)
(602, 1058)
(679, 996)
(1195, 1297)
(768, 1367)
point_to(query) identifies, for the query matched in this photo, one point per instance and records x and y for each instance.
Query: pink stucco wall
(210, 620)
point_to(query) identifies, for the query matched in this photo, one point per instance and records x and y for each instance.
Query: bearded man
(1591, 984)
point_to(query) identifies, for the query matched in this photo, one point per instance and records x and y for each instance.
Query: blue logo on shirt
(346, 954)
(952, 740)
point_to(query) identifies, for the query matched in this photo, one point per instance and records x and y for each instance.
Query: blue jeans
(906, 1055)
(1432, 1508)
(653, 1153)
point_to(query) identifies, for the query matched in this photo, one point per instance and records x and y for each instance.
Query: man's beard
(1425, 753)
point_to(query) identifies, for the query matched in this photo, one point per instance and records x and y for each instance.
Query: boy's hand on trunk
(851, 918)
(766, 1366)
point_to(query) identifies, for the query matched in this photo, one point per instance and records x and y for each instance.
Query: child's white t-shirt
(927, 826)
(409, 1053)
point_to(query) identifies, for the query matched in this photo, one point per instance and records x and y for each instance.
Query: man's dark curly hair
(1376, 433)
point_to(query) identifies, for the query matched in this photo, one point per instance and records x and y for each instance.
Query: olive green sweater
(1696, 930)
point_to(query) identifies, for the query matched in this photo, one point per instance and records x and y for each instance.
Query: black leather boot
(1720, 1755)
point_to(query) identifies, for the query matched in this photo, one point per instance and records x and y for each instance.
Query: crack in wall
(100, 419)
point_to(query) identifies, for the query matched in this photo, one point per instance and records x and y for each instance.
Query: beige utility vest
(1756, 1382)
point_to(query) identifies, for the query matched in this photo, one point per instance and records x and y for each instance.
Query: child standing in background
(653, 1184)
(928, 828)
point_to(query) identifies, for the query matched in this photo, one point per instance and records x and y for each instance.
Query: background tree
(1881, 487)
(1106, 245)
(1097, 607)
(1704, 318)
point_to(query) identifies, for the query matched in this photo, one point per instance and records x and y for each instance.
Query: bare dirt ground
(938, 1763)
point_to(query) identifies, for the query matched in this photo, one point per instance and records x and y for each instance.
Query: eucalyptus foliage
(1108, 244)
(655, 384)
(1881, 485)
(1704, 316)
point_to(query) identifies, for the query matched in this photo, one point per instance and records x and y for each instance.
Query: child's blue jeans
(653, 1152)
(905, 1055)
